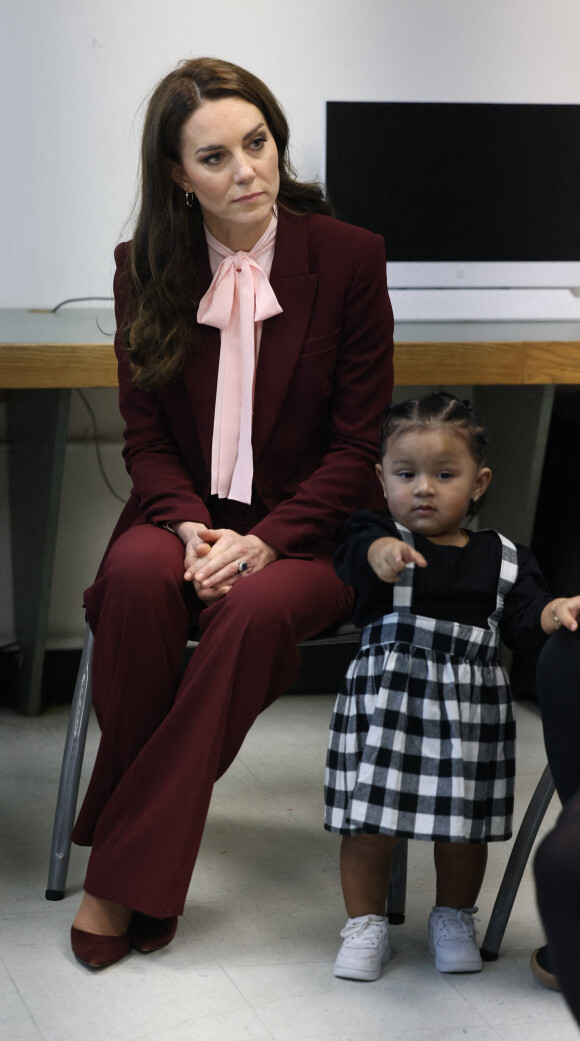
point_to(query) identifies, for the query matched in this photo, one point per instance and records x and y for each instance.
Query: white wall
(73, 76)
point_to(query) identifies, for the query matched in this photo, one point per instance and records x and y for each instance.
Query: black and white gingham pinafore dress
(422, 736)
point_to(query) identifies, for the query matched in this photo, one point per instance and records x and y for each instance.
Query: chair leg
(516, 864)
(398, 885)
(70, 775)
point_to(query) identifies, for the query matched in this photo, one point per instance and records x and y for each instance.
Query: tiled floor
(253, 955)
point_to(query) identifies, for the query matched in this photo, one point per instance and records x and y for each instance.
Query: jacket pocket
(319, 344)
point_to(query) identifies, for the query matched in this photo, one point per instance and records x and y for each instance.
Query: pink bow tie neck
(239, 296)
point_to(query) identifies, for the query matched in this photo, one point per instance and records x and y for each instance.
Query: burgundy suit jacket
(323, 380)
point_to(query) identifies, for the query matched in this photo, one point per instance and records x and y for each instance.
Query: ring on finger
(242, 565)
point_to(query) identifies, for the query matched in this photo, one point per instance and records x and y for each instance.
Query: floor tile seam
(55, 908)
(235, 966)
(447, 979)
(191, 1021)
(509, 1027)
(274, 799)
(335, 859)
(493, 1036)
(420, 949)
(484, 1020)
(249, 1004)
(504, 1030)
(413, 1033)
(289, 815)
(477, 1011)
(319, 962)
(57, 735)
(29, 1013)
(38, 725)
(364, 1035)
(407, 971)
(24, 915)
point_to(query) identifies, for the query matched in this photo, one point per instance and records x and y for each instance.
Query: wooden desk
(513, 367)
(487, 353)
(73, 348)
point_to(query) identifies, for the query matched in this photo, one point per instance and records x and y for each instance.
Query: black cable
(78, 300)
(89, 409)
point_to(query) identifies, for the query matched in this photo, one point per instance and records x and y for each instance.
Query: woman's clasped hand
(213, 558)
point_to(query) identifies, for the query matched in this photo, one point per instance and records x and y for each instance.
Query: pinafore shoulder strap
(403, 588)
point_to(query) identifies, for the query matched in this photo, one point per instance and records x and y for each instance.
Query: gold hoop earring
(189, 197)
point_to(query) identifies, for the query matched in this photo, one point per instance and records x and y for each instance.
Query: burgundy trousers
(167, 738)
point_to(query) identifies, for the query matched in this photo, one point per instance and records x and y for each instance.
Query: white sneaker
(452, 940)
(365, 950)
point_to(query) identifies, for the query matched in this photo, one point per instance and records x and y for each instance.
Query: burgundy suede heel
(147, 934)
(96, 952)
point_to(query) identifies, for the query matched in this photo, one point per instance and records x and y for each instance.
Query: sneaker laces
(365, 933)
(457, 925)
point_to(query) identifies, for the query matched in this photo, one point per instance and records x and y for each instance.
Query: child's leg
(365, 870)
(460, 867)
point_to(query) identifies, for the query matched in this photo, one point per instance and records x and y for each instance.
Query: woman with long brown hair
(254, 339)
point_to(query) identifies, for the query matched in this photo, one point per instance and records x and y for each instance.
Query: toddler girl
(422, 736)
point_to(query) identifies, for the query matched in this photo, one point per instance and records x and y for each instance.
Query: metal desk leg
(37, 429)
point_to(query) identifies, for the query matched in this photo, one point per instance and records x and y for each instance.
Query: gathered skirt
(422, 738)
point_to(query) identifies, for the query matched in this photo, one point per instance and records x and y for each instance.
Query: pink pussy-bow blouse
(237, 302)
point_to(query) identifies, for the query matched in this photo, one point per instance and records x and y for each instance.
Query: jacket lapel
(201, 371)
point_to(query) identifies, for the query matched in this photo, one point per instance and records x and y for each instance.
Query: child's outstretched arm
(565, 610)
(389, 556)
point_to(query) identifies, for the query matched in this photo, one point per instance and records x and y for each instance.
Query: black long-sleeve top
(458, 584)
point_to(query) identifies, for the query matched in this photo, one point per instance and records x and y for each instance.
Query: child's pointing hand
(388, 557)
